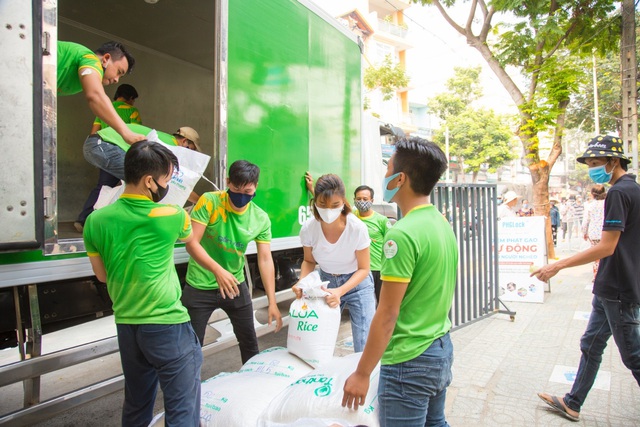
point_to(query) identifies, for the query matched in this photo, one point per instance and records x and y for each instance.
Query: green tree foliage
(580, 113)
(462, 89)
(581, 109)
(388, 77)
(477, 136)
(539, 42)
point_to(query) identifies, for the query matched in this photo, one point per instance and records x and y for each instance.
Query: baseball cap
(190, 134)
(604, 146)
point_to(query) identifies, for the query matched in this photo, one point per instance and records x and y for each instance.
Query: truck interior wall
(172, 93)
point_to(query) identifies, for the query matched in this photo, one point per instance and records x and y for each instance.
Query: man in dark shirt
(616, 289)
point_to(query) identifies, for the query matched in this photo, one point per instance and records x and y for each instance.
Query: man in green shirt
(224, 223)
(130, 245)
(377, 226)
(81, 70)
(409, 333)
(123, 101)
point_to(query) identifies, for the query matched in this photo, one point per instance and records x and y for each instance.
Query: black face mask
(160, 194)
(240, 200)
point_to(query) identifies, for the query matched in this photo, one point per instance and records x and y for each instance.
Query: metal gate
(471, 211)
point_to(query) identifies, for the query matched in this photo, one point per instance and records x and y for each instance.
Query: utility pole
(628, 67)
(596, 110)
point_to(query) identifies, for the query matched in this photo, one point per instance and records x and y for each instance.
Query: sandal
(559, 405)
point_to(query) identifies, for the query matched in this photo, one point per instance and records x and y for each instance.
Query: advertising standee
(521, 250)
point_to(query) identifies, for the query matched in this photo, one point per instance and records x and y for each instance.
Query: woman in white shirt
(338, 242)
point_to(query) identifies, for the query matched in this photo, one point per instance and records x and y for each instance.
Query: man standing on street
(410, 329)
(377, 226)
(130, 246)
(224, 223)
(616, 289)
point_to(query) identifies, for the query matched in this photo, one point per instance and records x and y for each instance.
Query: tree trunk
(540, 177)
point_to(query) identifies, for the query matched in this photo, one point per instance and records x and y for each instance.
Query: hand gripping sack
(313, 325)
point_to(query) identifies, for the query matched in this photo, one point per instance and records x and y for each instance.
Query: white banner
(522, 249)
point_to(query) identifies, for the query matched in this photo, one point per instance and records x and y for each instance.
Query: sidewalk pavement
(500, 365)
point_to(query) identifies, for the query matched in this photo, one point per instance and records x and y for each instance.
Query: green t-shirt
(73, 57)
(135, 238)
(421, 250)
(111, 136)
(377, 226)
(226, 236)
(128, 114)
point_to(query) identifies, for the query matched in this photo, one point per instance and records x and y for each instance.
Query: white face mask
(329, 215)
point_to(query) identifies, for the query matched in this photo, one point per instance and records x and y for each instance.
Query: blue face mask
(389, 194)
(240, 200)
(599, 174)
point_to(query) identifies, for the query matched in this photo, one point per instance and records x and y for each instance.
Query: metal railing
(391, 28)
(471, 211)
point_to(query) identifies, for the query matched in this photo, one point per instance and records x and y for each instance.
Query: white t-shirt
(339, 257)
(504, 211)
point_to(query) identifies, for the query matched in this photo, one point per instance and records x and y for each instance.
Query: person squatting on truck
(338, 242)
(106, 149)
(410, 330)
(224, 223)
(123, 101)
(130, 246)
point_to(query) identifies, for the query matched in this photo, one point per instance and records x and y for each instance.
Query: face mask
(363, 205)
(240, 200)
(388, 194)
(599, 174)
(329, 215)
(160, 194)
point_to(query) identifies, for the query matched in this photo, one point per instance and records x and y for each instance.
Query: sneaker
(78, 226)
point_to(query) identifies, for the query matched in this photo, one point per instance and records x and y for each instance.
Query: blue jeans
(412, 393)
(361, 301)
(608, 317)
(169, 354)
(104, 155)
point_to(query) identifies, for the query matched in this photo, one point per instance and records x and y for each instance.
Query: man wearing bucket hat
(616, 289)
(509, 202)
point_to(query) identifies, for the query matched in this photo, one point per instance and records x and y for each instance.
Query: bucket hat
(604, 146)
